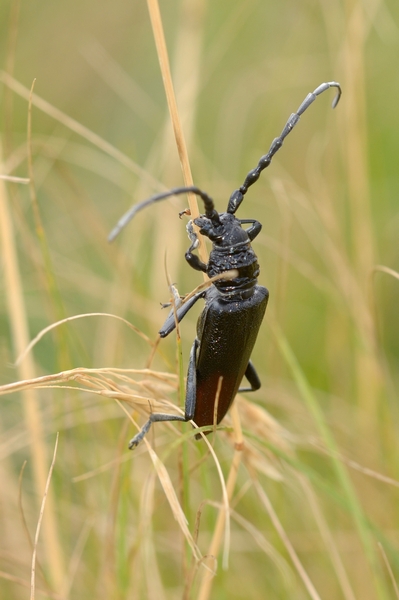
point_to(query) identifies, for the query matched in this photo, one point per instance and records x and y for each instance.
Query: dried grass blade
(39, 523)
(156, 22)
(80, 129)
(19, 332)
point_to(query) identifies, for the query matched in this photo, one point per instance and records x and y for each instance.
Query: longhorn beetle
(234, 308)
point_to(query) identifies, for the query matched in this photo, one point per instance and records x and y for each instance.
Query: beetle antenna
(238, 195)
(210, 211)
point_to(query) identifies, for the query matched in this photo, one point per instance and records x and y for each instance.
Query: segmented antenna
(238, 195)
(210, 211)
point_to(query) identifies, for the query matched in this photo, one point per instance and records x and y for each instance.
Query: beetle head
(224, 231)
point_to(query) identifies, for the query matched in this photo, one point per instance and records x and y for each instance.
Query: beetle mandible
(234, 308)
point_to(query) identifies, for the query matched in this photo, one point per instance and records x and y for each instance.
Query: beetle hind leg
(189, 407)
(252, 378)
(154, 418)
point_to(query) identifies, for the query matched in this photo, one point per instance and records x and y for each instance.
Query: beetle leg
(189, 407)
(154, 418)
(253, 379)
(191, 258)
(181, 312)
(254, 230)
(191, 387)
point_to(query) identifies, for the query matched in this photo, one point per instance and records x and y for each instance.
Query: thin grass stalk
(187, 58)
(46, 330)
(122, 84)
(9, 67)
(389, 569)
(12, 179)
(52, 288)
(76, 558)
(187, 78)
(20, 335)
(159, 37)
(214, 548)
(183, 450)
(284, 538)
(169, 490)
(109, 566)
(384, 269)
(368, 375)
(80, 130)
(25, 525)
(151, 571)
(327, 536)
(39, 523)
(352, 500)
(26, 583)
(356, 138)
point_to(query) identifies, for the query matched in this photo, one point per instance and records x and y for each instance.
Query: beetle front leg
(254, 230)
(191, 258)
(252, 378)
(181, 312)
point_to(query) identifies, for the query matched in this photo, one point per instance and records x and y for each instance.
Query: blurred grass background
(327, 353)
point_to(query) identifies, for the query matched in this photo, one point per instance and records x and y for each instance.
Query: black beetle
(234, 308)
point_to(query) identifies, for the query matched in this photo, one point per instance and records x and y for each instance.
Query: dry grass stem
(43, 332)
(220, 527)
(358, 467)
(39, 523)
(327, 536)
(80, 129)
(13, 179)
(226, 275)
(266, 547)
(384, 269)
(33, 196)
(163, 58)
(18, 320)
(389, 569)
(170, 494)
(285, 540)
(27, 584)
(159, 37)
(76, 557)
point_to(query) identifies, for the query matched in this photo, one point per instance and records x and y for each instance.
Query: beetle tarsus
(192, 236)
